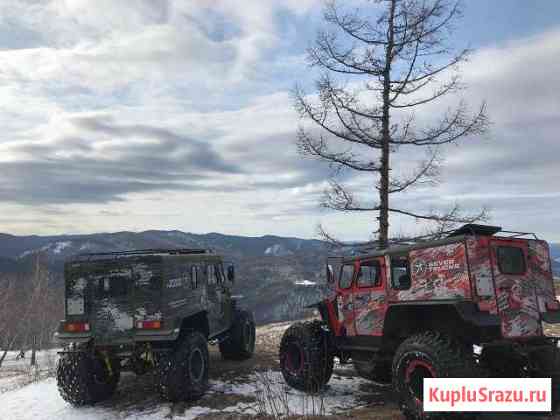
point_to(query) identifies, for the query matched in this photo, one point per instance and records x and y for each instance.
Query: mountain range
(277, 276)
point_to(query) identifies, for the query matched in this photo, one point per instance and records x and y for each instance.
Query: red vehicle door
(369, 297)
(344, 298)
(515, 288)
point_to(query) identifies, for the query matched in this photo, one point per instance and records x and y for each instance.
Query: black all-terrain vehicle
(145, 310)
(413, 312)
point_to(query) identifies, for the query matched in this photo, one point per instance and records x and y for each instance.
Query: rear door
(112, 301)
(370, 297)
(217, 311)
(515, 288)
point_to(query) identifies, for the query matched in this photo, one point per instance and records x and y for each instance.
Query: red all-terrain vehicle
(411, 312)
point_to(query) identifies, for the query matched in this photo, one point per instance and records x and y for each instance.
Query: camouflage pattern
(482, 278)
(522, 298)
(541, 272)
(362, 310)
(115, 294)
(438, 273)
(516, 297)
(457, 269)
(369, 312)
(345, 304)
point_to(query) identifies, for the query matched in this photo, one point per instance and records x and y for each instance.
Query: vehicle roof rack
(179, 251)
(514, 235)
(475, 229)
(486, 230)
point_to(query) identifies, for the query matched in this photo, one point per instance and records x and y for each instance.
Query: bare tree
(29, 309)
(398, 52)
(8, 307)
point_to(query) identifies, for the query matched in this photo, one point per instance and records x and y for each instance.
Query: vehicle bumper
(137, 336)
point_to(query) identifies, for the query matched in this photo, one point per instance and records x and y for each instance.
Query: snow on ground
(43, 358)
(16, 372)
(26, 394)
(41, 401)
(272, 396)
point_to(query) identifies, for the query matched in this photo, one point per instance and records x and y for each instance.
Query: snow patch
(275, 398)
(305, 283)
(60, 246)
(42, 401)
(268, 389)
(85, 246)
(277, 251)
(26, 253)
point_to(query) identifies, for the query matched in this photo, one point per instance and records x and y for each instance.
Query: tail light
(76, 327)
(148, 325)
(553, 306)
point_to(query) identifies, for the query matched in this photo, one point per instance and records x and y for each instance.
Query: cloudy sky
(142, 114)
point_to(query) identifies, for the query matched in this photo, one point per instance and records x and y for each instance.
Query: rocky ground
(250, 389)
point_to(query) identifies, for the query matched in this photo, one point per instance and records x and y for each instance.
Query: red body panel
(466, 270)
(438, 273)
(370, 306)
(522, 298)
(516, 297)
(480, 267)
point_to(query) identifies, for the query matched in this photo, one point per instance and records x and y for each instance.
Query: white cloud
(194, 127)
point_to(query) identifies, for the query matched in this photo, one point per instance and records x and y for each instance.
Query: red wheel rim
(414, 374)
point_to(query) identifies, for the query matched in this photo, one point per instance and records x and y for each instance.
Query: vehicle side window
(511, 260)
(346, 274)
(400, 274)
(194, 276)
(369, 274)
(210, 275)
(219, 272)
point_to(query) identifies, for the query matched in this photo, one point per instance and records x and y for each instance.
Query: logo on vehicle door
(419, 267)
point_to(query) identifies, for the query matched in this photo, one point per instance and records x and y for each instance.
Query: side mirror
(231, 273)
(330, 274)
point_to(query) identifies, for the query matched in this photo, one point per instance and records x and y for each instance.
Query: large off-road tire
(83, 379)
(377, 372)
(547, 362)
(503, 362)
(425, 355)
(183, 374)
(306, 359)
(240, 344)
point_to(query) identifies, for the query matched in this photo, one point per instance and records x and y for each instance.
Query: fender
(328, 312)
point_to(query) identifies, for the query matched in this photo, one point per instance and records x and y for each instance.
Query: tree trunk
(386, 137)
(3, 357)
(33, 351)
